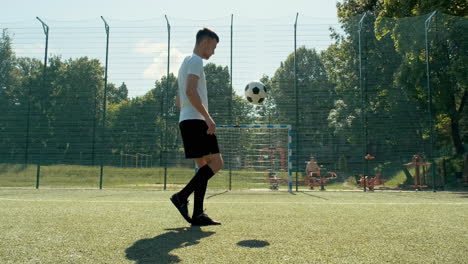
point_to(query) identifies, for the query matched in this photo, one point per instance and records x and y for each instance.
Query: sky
(263, 33)
(144, 9)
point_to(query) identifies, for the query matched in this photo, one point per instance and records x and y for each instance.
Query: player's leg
(202, 161)
(198, 144)
(197, 183)
(200, 190)
(209, 164)
(193, 134)
(214, 162)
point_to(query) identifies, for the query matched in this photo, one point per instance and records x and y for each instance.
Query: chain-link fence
(91, 103)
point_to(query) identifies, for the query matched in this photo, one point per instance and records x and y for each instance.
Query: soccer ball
(255, 92)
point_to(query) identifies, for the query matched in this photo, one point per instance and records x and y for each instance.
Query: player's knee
(217, 164)
(221, 164)
(200, 162)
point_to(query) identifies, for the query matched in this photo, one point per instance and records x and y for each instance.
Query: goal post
(257, 155)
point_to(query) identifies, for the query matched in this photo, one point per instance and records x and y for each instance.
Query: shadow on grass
(158, 249)
(216, 194)
(315, 196)
(253, 243)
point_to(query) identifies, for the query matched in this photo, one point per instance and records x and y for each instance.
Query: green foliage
(314, 98)
(338, 94)
(393, 42)
(117, 94)
(451, 168)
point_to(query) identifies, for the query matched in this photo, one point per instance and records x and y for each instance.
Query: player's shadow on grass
(158, 249)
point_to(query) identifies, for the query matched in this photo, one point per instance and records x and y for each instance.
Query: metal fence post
(296, 95)
(427, 24)
(104, 105)
(363, 105)
(166, 98)
(230, 103)
(38, 171)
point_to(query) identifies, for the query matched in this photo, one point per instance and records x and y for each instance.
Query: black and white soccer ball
(255, 92)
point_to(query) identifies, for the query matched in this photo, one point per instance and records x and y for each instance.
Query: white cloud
(158, 67)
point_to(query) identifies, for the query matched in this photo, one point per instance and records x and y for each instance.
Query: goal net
(256, 156)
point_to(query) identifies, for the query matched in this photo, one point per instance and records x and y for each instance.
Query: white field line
(221, 202)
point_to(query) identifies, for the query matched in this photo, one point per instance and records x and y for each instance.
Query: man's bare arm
(194, 98)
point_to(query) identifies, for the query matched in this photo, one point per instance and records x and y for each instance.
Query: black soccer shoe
(204, 220)
(182, 206)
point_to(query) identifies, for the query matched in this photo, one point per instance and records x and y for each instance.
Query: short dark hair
(206, 33)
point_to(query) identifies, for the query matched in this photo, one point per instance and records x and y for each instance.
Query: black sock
(202, 175)
(199, 197)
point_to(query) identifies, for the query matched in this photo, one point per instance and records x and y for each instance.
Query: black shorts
(197, 143)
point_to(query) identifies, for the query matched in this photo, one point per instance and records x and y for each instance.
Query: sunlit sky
(263, 33)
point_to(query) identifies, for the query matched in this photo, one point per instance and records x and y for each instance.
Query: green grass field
(142, 226)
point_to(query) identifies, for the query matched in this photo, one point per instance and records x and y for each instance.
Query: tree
(115, 94)
(448, 61)
(7, 63)
(145, 124)
(220, 94)
(21, 100)
(75, 112)
(33, 99)
(315, 98)
(11, 121)
(394, 77)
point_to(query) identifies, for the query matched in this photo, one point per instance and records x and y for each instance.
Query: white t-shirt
(192, 64)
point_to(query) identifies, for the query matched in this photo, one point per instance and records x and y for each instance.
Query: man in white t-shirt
(197, 128)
